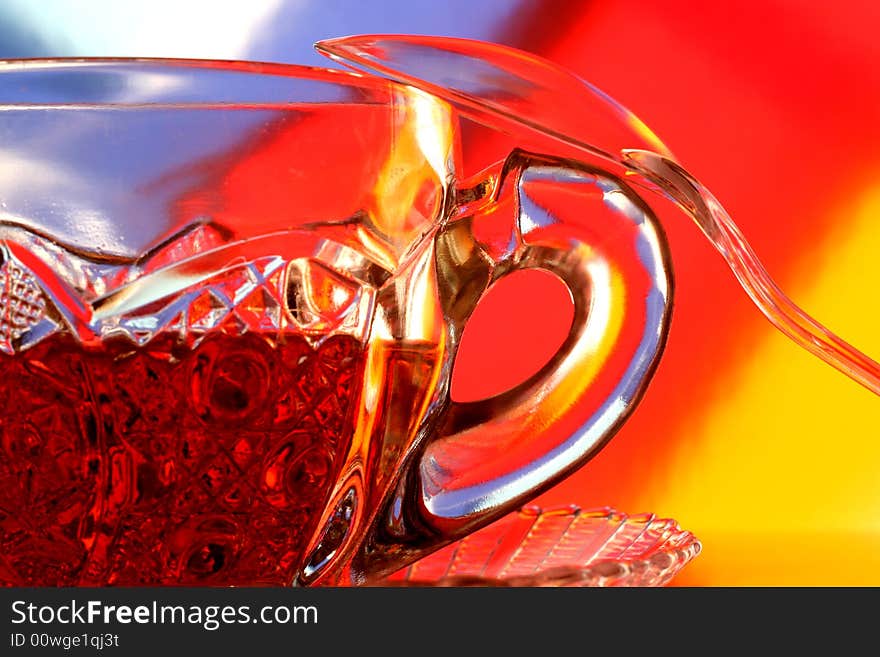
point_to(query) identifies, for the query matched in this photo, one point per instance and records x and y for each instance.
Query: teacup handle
(492, 455)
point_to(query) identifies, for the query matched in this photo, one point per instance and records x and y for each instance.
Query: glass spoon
(521, 92)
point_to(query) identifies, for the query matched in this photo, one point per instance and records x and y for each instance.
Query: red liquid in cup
(169, 465)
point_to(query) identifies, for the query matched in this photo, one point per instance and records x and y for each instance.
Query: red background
(765, 455)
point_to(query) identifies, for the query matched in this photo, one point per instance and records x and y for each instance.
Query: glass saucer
(565, 546)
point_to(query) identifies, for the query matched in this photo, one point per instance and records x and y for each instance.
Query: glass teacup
(232, 297)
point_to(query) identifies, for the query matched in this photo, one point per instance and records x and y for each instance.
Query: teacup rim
(366, 82)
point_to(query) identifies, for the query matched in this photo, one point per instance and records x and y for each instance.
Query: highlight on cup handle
(604, 243)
